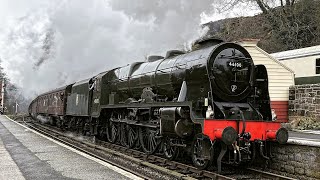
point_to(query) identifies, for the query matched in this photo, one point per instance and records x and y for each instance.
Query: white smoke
(43, 119)
(50, 44)
(232, 8)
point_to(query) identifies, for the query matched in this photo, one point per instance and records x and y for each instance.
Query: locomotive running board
(149, 105)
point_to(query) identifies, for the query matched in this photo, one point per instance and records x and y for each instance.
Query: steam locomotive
(211, 103)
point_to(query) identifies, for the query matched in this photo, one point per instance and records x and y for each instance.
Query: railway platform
(305, 137)
(26, 154)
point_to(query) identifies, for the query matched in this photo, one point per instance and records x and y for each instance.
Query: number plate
(235, 64)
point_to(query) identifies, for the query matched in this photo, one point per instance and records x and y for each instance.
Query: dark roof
(55, 90)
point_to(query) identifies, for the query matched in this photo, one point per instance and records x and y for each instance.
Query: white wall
(302, 67)
(280, 76)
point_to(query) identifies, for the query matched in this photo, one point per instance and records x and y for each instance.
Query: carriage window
(318, 66)
(61, 96)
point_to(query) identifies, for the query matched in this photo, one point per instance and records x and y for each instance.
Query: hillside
(280, 29)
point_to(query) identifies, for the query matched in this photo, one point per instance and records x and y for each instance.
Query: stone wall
(298, 161)
(304, 100)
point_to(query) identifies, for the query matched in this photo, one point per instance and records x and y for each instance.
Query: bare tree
(293, 23)
(265, 6)
(289, 21)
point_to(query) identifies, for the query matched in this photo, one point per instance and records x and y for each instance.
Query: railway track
(266, 175)
(140, 164)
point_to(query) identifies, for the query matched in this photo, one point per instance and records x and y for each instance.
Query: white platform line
(110, 166)
(304, 141)
(309, 131)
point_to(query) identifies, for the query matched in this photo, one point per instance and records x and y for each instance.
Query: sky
(46, 44)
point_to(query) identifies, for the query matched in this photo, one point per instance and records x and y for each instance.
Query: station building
(305, 63)
(281, 77)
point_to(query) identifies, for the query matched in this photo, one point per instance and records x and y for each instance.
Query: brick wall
(304, 100)
(301, 162)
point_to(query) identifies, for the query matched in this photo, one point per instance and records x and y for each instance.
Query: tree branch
(288, 3)
(262, 6)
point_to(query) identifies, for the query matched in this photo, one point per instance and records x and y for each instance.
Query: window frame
(317, 64)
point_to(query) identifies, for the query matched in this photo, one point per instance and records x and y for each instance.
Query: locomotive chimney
(173, 53)
(153, 58)
(205, 42)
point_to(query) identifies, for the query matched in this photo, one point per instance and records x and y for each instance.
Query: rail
(173, 169)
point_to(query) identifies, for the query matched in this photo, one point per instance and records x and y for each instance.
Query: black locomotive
(206, 102)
